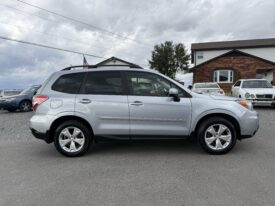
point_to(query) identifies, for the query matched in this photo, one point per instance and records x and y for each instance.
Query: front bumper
(249, 124)
(8, 105)
(262, 102)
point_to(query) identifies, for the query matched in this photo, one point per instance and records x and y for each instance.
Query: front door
(152, 112)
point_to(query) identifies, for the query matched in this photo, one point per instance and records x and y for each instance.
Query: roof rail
(95, 66)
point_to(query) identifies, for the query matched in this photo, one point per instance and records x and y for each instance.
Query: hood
(225, 98)
(216, 97)
(260, 90)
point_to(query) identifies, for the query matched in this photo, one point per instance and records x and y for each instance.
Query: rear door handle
(137, 103)
(85, 101)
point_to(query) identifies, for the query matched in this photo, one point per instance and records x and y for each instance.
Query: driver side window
(147, 84)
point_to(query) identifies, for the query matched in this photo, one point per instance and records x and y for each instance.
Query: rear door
(154, 114)
(103, 101)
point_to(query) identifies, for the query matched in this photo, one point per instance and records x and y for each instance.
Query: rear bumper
(42, 136)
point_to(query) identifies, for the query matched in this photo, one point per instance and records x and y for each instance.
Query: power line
(49, 47)
(83, 23)
(28, 13)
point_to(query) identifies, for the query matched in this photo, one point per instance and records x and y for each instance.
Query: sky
(127, 29)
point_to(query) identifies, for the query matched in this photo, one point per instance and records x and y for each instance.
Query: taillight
(37, 100)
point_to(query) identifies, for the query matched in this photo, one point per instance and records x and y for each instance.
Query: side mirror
(35, 93)
(175, 94)
(190, 87)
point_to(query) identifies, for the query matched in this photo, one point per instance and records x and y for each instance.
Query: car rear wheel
(72, 138)
(217, 135)
(25, 106)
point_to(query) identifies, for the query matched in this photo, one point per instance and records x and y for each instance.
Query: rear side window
(69, 83)
(108, 83)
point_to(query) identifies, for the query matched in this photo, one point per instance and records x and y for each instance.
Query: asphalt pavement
(140, 173)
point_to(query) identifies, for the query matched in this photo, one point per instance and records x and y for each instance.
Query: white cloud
(148, 22)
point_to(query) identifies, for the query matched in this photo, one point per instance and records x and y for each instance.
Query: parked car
(207, 88)
(77, 108)
(259, 91)
(22, 101)
(9, 92)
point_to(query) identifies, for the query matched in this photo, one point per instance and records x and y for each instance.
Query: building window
(223, 76)
(200, 55)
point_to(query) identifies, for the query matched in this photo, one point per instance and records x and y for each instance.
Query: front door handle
(85, 101)
(137, 103)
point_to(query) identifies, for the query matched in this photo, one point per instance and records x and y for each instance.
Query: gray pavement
(143, 173)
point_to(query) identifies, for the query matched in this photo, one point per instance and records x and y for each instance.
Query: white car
(207, 88)
(259, 91)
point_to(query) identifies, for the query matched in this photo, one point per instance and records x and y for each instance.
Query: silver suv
(77, 108)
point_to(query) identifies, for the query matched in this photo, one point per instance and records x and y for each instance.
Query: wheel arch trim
(220, 113)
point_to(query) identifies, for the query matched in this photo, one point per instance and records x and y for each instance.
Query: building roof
(114, 61)
(252, 43)
(235, 52)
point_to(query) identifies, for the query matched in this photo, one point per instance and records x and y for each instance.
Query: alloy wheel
(218, 137)
(71, 139)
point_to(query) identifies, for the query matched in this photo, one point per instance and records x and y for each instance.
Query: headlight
(247, 95)
(245, 104)
(252, 96)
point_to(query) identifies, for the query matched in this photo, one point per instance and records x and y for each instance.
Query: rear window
(69, 83)
(109, 83)
(10, 93)
(214, 86)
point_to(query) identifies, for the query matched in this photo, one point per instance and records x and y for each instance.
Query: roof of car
(102, 68)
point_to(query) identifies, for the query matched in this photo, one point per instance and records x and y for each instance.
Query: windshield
(29, 90)
(256, 84)
(201, 86)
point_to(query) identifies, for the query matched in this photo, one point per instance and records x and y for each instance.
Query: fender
(211, 112)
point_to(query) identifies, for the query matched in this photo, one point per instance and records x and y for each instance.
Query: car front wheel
(25, 106)
(217, 135)
(72, 138)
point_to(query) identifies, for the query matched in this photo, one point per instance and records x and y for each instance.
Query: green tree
(168, 58)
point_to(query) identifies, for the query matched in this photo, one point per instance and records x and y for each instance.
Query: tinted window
(109, 83)
(146, 84)
(69, 83)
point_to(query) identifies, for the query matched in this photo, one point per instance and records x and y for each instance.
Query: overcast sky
(146, 22)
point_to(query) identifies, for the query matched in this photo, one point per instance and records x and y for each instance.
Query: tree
(168, 58)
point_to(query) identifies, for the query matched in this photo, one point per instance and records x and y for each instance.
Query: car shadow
(146, 146)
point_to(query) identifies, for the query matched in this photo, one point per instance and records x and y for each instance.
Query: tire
(25, 106)
(211, 141)
(72, 146)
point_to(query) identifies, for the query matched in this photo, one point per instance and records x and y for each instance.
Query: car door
(152, 112)
(236, 88)
(103, 100)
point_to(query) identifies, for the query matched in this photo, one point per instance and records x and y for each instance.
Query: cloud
(147, 22)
